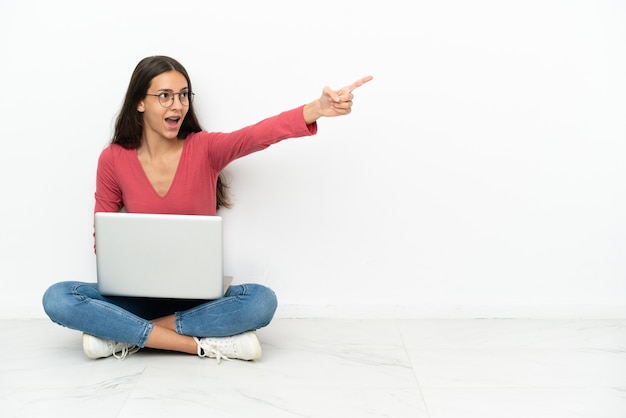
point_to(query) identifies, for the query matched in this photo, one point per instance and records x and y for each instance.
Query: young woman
(161, 161)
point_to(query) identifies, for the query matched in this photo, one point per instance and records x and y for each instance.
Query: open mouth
(172, 121)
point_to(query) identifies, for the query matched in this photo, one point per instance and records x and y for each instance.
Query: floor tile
(327, 334)
(525, 403)
(513, 333)
(519, 368)
(332, 368)
(268, 401)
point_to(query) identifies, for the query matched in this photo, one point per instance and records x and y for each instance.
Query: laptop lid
(155, 255)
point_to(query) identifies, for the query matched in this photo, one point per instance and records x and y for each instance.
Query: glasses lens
(166, 99)
(186, 97)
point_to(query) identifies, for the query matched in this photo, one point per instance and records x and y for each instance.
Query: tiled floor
(332, 368)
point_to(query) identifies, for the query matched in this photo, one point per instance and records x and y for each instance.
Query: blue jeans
(80, 306)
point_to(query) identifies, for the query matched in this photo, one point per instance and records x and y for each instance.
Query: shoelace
(124, 350)
(215, 352)
(211, 348)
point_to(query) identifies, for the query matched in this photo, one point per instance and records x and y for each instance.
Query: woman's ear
(141, 107)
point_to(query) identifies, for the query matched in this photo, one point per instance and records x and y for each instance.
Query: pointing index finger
(358, 83)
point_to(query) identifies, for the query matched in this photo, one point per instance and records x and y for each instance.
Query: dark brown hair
(129, 123)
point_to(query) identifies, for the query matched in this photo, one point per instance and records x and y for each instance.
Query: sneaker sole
(87, 347)
(254, 347)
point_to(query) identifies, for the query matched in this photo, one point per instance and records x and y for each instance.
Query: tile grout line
(130, 392)
(419, 387)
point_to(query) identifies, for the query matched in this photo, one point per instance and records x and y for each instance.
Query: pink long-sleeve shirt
(122, 182)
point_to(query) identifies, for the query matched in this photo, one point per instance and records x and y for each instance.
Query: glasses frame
(190, 95)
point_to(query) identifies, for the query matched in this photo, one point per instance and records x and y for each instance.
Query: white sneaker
(244, 346)
(95, 347)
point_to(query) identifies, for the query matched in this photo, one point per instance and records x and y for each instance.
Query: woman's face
(163, 117)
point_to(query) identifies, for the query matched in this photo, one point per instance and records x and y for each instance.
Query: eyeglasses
(166, 98)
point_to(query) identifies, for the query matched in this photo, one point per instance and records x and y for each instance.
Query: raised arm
(333, 102)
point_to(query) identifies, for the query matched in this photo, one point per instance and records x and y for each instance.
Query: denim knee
(60, 299)
(54, 301)
(266, 303)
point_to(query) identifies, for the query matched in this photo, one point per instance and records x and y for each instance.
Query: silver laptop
(161, 256)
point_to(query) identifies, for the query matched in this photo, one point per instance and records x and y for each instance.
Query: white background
(481, 173)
